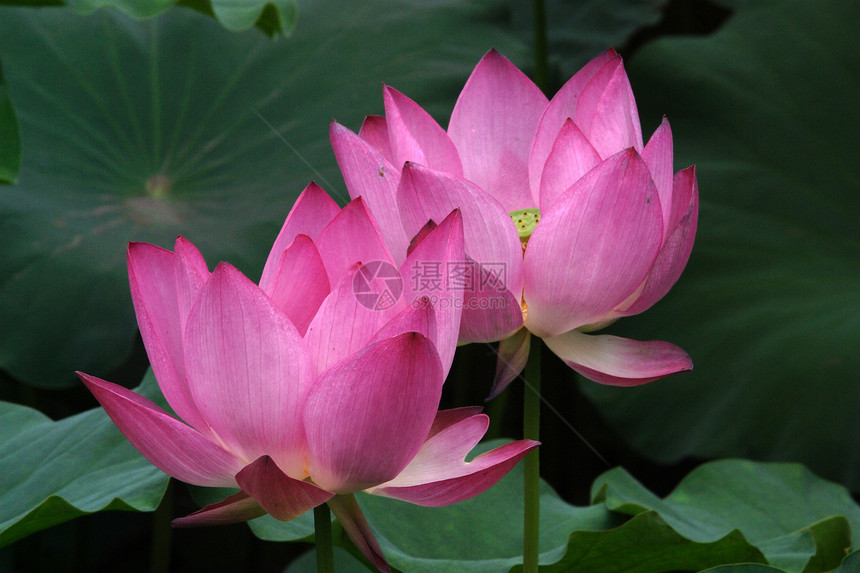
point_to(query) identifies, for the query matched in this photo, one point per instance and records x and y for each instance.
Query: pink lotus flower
(301, 391)
(588, 223)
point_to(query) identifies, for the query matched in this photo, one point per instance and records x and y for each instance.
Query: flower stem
(531, 431)
(322, 534)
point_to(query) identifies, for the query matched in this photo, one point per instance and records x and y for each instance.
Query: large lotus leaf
(743, 568)
(270, 16)
(145, 130)
(799, 521)
(647, 544)
(10, 143)
(769, 306)
(51, 472)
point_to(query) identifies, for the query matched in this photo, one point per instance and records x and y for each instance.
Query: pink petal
(562, 107)
(427, 270)
(282, 497)
(493, 125)
(236, 508)
(658, 157)
(490, 311)
(191, 272)
(313, 210)
(606, 112)
(360, 429)
(173, 447)
(368, 174)
(511, 360)
(618, 361)
(248, 370)
(415, 136)
(444, 450)
(572, 156)
(349, 514)
(163, 287)
(300, 284)
(678, 245)
(685, 198)
(593, 248)
(350, 238)
(421, 235)
(490, 236)
(439, 474)
(353, 313)
(446, 418)
(374, 130)
(420, 318)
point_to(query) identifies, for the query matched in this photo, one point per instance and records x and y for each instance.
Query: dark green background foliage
(139, 121)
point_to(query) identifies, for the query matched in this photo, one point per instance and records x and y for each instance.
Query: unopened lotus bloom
(589, 224)
(299, 391)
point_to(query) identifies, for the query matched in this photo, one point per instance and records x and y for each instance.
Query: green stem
(540, 50)
(322, 534)
(531, 431)
(496, 412)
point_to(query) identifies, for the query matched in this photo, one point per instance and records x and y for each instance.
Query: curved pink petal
(282, 497)
(173, 447)
(163, 288)
(421, 235)
(374, 130)
(428, 272)
(511, 360)
(560, 108)
(351, 237)
(443, 452)
(490, 311)
(447, 418)
(618, 361)
(360, 429)
(492, 126)
(658, 156)
(349, 514)
(191, 272)
(572, 156)
(606, 112)
(248, 370)
(593, 248)
(678, 245)
(366, 298)
(417, 317)
(490, 236)
(415, 136)
(685, 198)
(313, 210)
(368, 174)
(236, 508)
(439, 474)
(300, 284)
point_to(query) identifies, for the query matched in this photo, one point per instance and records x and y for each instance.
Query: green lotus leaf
(800, 522)
(10, 143)
(51, 472)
